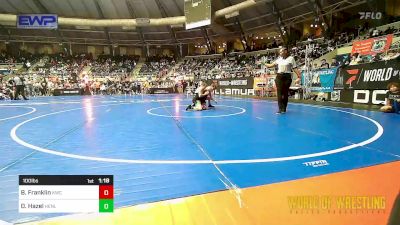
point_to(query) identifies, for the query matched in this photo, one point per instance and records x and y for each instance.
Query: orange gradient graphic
(358, 197)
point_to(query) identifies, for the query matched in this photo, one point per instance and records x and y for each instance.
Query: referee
(286, 64)
(20, 88)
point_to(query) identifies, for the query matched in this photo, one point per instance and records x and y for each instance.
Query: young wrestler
(210, 89)
(200, 95)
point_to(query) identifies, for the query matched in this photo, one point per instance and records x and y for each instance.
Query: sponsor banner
(370, 97)
(372, 46)
(246, 82)
(260, 83)
(335, 96)
(271, 85)
(322, 80)
(234, 86)
(37, 21)
(5, 72)
(161, 90)
(270, 88)
(371, 75)
(75, 91)
(234, 91)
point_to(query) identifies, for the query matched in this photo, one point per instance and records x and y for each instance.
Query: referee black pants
(20, 90)
(283, 82)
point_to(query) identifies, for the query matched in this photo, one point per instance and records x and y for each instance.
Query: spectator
(324, 64)
(389, 30)
(392, 99)
(376, 57)
(335, 63)
(392, 54)
(355, 59)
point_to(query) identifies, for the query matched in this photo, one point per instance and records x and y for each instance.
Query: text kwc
(379, 74)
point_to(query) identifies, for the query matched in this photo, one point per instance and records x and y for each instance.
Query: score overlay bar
(66, 193)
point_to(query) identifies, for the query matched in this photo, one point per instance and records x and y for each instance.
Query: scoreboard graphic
(197, 13)
(66, 194)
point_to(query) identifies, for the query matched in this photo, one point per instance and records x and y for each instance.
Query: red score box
(106, 192)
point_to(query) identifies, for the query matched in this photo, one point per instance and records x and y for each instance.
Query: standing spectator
(43, 86)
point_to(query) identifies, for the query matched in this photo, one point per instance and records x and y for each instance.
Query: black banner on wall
(61, 92)
(161, 90)
(371, 76)
(246, 82)
(370, 97)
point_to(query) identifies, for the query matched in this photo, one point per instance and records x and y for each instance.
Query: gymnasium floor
(158, 151)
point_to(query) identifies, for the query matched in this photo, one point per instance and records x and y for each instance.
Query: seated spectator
(324, 64)
(392, 99)
(389, 30)
(392, 54)
(335, 63)
(375, 33)
(376, 58)
(355, 59)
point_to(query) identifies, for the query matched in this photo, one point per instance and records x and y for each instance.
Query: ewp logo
(37, 21)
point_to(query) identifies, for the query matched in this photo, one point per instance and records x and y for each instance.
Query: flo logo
(353, 72)
(370, 15)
